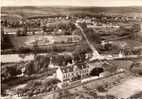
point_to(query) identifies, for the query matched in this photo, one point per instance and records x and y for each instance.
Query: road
(98, 57)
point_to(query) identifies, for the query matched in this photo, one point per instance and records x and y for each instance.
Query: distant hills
(27, 11)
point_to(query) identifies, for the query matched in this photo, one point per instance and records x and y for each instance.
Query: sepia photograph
(71, 49)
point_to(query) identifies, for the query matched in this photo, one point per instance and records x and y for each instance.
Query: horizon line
(65, 6)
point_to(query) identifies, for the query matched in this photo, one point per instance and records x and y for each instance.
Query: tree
(5, 40)
(136, 68)
(25, 30)
(35, 48)
(18, 33)
(136, 27)
(101, 88)
(44, 28)
(76, 32)
(2, 35)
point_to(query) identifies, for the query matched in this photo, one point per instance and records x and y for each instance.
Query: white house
(72, 73)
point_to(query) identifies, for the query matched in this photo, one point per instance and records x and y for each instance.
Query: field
(127, 88)
(43, 41)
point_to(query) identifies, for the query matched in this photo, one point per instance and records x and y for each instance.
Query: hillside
(28, 11)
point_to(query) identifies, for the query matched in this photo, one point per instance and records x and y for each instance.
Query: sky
(106, 3)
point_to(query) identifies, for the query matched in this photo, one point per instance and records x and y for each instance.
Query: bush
(9, 72)
(101, 89)
(38, 65)
(6, 42)
(24, 50)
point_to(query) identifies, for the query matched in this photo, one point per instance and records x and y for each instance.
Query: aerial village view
(71, 52)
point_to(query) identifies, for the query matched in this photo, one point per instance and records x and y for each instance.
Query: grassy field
(127, 88)
(24, 40)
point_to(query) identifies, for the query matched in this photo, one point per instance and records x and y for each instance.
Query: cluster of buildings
(45, 20)
(72, 73)
(36, 24)
(74, 70)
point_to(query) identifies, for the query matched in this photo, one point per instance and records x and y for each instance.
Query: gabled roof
(73, 67)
